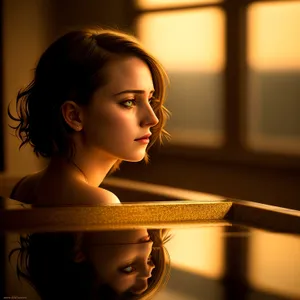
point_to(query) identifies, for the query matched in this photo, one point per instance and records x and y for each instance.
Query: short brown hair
(72, 69)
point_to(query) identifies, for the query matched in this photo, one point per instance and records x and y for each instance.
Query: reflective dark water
(208, 260)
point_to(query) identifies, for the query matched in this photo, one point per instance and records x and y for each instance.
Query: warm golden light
(190, 45)
(272, 264)
(274, 35)
(273, 57)
(149, 4)
(198, 250)
(189, 40)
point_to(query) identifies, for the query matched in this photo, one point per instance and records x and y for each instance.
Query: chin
(136, 158)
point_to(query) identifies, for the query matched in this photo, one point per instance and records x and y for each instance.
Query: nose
(149, 118)
(147, 272)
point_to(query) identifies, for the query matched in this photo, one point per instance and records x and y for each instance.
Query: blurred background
(234, 68)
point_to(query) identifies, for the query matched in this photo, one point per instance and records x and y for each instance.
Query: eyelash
(130, 106)
(150, 262)
(151, 101)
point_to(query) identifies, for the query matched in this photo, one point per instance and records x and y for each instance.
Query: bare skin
(105, 131)
(67, 188)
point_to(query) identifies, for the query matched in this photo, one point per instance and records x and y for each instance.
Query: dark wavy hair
(72, 68)
(47, 262)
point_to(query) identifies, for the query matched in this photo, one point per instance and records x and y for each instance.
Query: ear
(72, 114)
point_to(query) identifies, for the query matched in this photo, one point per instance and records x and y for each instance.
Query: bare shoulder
(107, 196)
(22, 189)
(96, 195)
(40, 190)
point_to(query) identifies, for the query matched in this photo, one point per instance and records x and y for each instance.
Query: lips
(145, 239)
(146, 136)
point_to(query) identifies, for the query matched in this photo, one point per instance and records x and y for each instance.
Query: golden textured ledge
(19, 217)
(159, 190)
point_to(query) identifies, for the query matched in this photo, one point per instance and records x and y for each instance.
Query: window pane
(150, 4)
(274, 76)
(190, 44)
(193, 257)
(270, 260)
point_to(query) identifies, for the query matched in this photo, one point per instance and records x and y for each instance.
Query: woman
(97, 98)
(127, 264)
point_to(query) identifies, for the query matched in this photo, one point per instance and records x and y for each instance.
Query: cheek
(122, 283)
(121, 126)
(103, 262)
(114, 118)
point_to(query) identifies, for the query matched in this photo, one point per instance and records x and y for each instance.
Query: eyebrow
(133, 92)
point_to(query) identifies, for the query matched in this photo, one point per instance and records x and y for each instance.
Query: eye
(128, 269)
(150, 261)
(129, 103)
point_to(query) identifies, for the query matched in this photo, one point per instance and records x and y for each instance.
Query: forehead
(128, 73)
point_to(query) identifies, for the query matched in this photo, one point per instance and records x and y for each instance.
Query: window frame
(235, 148)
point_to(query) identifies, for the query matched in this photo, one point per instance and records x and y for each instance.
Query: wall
(70, 14)
(26, 30)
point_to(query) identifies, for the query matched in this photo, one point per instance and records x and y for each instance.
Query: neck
(91, 169)
(94, 169)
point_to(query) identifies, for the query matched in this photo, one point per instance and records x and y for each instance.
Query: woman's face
(120, 112)
(122, 259)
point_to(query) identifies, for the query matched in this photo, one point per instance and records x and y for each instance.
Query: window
(273, 59)
(234, 68)
(149, 4)
(190, 45)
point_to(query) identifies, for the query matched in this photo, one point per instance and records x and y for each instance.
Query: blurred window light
(273, 58)
(152, 4)
(273, 263)
(198, 250)
(190, 44)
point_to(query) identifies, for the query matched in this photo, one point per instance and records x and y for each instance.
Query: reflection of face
(120, 112)
(122, 259)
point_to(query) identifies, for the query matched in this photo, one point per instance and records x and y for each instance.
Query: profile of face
(123, 264)
(118, 120)
(122, 259)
